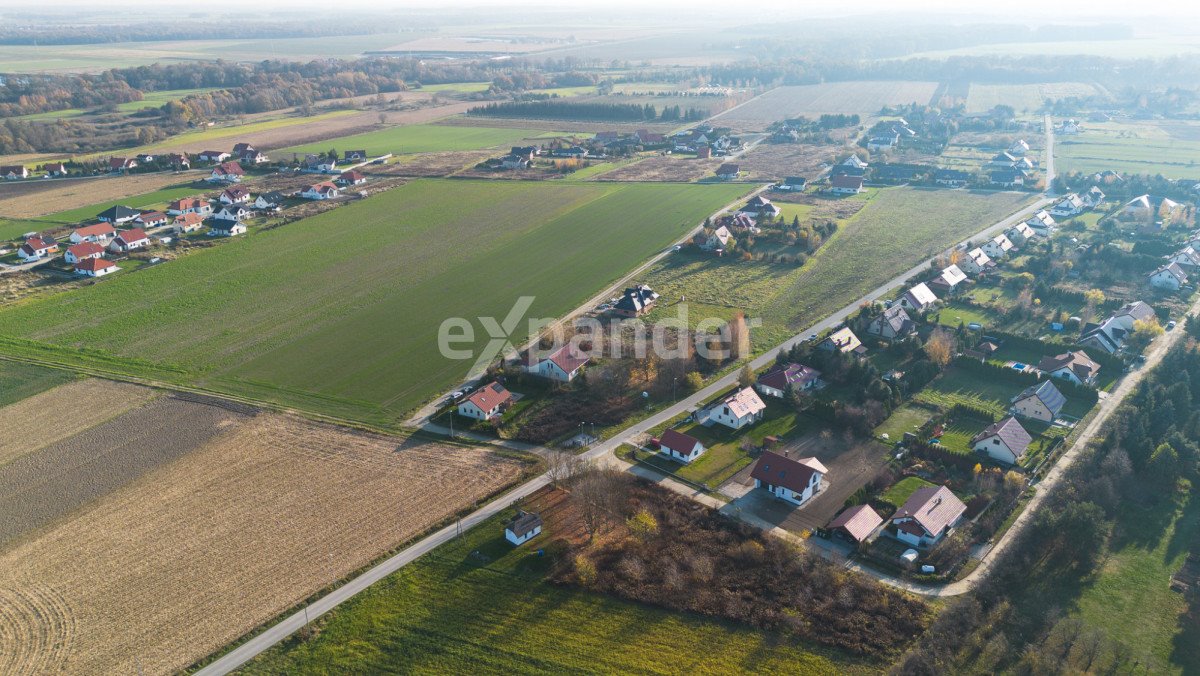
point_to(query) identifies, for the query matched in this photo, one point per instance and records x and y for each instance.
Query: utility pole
(674, 397)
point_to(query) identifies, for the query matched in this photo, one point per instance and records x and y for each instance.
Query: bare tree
(562, 467)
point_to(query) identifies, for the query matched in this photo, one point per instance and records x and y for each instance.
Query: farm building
(783, 378)
(522, 528)
(1039, 402)
(856, 524)
(928, 515)
(796, 481)
(680, 447)
(563, 364)
(486, 402)
(736, 410)
(1005, 441)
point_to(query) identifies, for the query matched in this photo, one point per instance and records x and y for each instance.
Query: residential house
(792, 184)
(1076, 367)
(795, 480)
(1093, 198)
(843, 340)
(847, 170)
(251, 156)
(351, 177)
(1068, 128)
(1110, 334)
(949, 280)
(152, 219)
(226, 172)
(232, 212)
(1145, 207)
(1169, 277)
(856, 162)
(56, 169)
(728, 171)
(635, 301)
(952, 178)
(129, 240)
(190, 205)
(522, 528)
(1187, 258)
(35, 248)
(919, 298)
(1018, 148)
(736, 410)
(319, 164)
(320, 191)
(100, 232)
(179, 161)
(269, 201)
(759, 206)
(1039, 402)
(1005, 441)
(894, 173)
(14, 172)
(213, 156)
(680, 447)
(998, 247)
(563, 364)
(225, 227)
(354, 155)
(95, 267)
(1042, 223)
(881, 143)
(121, 164)
(718, 240)
(1020, 233)
(118, 215)
(235, 194)
(1071, 205)
(892, 323)
(1002, 160)
(189, 222)
(856, 524)
(514, 162)
(783, 378)
(846, 185)
(486, 402)
(83, 251)
(1008, 178)
(928, 516)
(976, 262)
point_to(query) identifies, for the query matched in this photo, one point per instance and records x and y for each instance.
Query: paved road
(1049, 154)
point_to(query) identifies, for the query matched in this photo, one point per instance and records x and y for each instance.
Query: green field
(340, 312)
(1137, 147)
(1024, 98)
(20, 381)
(477, 605)
(900, 491)
(723, 456)
(158, 198)
(421, 138)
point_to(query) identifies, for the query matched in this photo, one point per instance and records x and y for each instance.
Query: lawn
(907, 418)
(724, 456)
(900, 491)
(421, 138)
(477, 605)
(953, 314)
(340, 313)
(957, 386)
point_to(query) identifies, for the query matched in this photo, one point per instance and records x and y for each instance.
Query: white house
(486, 402)
(563, 364)
(1042, 223)
(760, 206)
(856, 162)
(1109, 335)
(1187, 258)
(214, 156)
(1005, 441)
(95, 267)
(792, 184)
(680, 447)
(100, 232)
(919, 298)
(522, 528)
(226, 172)
(226, 227)
(846, 185)
(928, 515)
(320, 191)
(235, 195)
(737, 410)
(1018, 148)
(129, 240)
(892, 323)
(997, 247)
(796, 481)
(781, 378)
(1039, 402)
(949, 279)
(1071, 205)
(1093, 198)
(14, 172)
(879, 143)
(1075, 367)
(189, 205)
(185, 223)
(35, 247)
(976, 262)
(1169, 277)
(83, 251)
(718, 240)
(232, 212)
(1020, 233)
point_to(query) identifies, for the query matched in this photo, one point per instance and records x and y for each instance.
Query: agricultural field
(19, 380)
(340, 312)
(1024, 98)
(864, 98)
(422, 138)
(1171, 148)
(56, 196)
(199, 521)
(1159, 46)
(478, 604)
(149, 100)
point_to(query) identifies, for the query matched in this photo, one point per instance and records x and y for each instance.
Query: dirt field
(433, 164)
(183, 560)
(563, 126)
(63, 412)
(73, 194)
(663, 168)
(773, 162)
(862, 97)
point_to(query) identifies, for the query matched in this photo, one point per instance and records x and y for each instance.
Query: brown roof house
(563, 364)
(1005, 441)
(857, 523)
(680, 447)
(1075, 367)
(796, 481)
(928, 515)
(486, 402)
(781, 378)
(522, 528)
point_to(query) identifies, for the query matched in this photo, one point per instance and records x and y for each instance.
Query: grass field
(864, 98)
(1024, 98)
(479, 605)
(1134, 147)
(956, 386)
(421, 138)
(340, 312)
(158, 198)
(900, 491)
(19, 381)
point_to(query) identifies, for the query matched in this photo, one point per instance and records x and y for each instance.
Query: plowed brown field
(195, 553)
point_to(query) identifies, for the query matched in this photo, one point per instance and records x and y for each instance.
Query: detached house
(319, 164)
(1093, 198)
(354, 155)
(234, 195)
(949, 280)
(928, 515)
(635, 301)
(1008, 178)
(1187, 258)
(1018, 148)
(1042, 223)
(718, 240)
(129, 240)
(226, 227)
(892, 323)
(320, 191)
(793, 184)
(843, 340)
(919, 298)
(1075, 367)
(100, 232)
(226, 172)
(782, 378)
(152, 219)
(563, 364)
(1169, 277)
(1039, 402)
(680, 447)
(1109, 335)
(735, 411)
(213, 156)
(185, 223)
(846, 185)
(13, 173)
(998, 247)
(486, 402)
(190, 205)
(232, 212)
(976, 262)
(352, 177)
(118, 215)
(796, 481)
(1005, 441)
(728, 171)
(35, 248)
(522, 528)
(759, 206)
(1071, 205)
(95, 267)
(1020, 233)
(269, 201)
